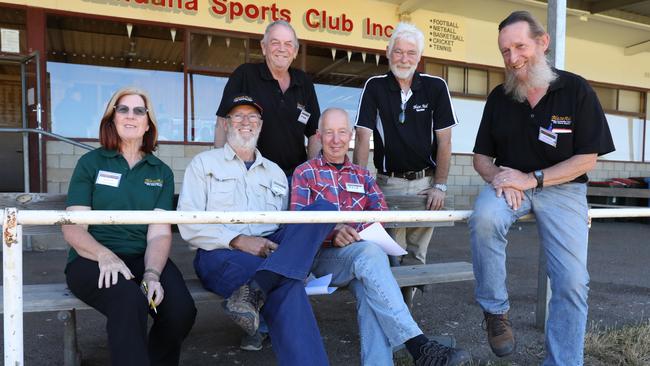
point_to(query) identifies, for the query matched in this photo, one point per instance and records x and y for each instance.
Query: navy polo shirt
(102, 180)
(510, 130)
(408, 146)
(282, 139)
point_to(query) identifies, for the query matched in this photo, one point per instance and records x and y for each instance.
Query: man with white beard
(410, 116)
(541, 132)
(257, 268)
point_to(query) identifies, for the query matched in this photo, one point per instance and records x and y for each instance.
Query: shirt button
(532, 115)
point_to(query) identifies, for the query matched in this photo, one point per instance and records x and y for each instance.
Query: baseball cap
(244, 99)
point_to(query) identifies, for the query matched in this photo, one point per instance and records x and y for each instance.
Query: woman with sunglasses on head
(124, 271)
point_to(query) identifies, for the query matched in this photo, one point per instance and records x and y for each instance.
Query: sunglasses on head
(137, 111)
(402, 113)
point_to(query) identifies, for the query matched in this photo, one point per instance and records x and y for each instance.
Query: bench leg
(71, 353)
(408, 293)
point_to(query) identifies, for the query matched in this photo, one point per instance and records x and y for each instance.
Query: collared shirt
(102, 180)
(217, 180)
(412, 145)
(570, 110)
(351, 188)
(288, 117)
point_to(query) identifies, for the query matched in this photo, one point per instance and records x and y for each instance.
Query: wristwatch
(539, 177)
(441, 187)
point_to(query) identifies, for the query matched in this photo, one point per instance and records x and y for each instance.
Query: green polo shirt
(103, 180)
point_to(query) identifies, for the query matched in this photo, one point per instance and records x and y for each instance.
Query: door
(11, 116)
(19, 104)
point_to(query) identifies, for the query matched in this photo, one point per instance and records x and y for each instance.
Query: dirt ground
(620, 294)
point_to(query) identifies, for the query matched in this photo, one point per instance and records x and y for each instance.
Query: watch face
(442, 187)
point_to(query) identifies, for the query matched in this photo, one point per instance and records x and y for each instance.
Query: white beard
(539, 75)
(400, 74)
(237, 142)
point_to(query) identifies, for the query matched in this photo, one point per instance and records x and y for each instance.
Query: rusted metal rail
(13, 219)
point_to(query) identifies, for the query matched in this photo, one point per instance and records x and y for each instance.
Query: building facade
(61, 60)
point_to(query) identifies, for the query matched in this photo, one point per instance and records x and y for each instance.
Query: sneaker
(254, 342)
(433, 353)
(500, 336)
(244, 305)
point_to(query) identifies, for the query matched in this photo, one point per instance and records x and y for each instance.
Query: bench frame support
(71, 353)
(12, 289)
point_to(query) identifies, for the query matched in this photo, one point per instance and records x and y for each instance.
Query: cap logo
(243, 98)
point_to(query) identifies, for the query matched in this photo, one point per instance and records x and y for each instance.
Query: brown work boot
(500, 336)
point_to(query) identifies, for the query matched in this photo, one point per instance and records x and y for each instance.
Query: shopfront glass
(89, 59)
(339, 80)
(212, 57)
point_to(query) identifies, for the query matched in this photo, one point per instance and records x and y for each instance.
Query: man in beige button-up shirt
(258, 268)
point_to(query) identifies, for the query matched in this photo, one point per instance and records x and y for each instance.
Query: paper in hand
(375, 233)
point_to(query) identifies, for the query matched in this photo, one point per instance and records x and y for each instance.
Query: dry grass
(628, 345)
(604, 346)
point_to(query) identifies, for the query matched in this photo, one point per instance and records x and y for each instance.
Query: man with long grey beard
(541, 132)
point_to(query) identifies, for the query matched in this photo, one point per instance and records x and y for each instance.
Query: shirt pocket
(273, 193)
(222, 193)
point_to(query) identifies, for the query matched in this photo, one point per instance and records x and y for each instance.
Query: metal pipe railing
(46, 133)
(13, 219)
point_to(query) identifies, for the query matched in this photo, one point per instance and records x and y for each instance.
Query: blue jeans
(383, 317)
(293, 329)
(561, 214)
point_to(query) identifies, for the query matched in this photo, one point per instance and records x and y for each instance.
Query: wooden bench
(57, 297)
(616, 193)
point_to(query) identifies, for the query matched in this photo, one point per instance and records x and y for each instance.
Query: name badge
(108, 178)
(304, 116)
(547, 136)
(354, 188)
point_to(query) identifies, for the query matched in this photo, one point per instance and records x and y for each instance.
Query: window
(89, 59)
(621, 100)
(339, 80)
(464, 80)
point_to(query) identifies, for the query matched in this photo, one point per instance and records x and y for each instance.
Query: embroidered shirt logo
(561, 124)
(420, 107)
(153, 182)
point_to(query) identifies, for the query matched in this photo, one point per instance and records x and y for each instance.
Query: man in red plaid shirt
(384, 319)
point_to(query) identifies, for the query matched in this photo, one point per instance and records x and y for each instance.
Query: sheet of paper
(375, 233)
(319, 286)
(9, 40)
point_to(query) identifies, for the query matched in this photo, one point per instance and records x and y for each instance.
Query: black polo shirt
(408, 146)
(282, 139)
(510, 130)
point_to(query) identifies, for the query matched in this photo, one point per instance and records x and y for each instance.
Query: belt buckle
(411, 175)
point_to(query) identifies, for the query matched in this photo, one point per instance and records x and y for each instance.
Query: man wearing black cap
(258, 268)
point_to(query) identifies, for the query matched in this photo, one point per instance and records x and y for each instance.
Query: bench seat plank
(57, 297)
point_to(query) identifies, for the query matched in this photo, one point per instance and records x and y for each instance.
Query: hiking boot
(500, 336)
(433, 353)
(244, 305)
(254, 342)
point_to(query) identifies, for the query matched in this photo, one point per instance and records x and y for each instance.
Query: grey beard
(236, 142)
(402, 74)
(540, 75)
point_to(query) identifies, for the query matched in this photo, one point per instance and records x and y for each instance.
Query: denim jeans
(383, 317)
(561, 214)
(292, 326)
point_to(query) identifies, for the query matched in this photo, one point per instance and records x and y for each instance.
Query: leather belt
(426, 172)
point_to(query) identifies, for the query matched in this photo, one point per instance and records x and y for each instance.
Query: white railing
(13, 220)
